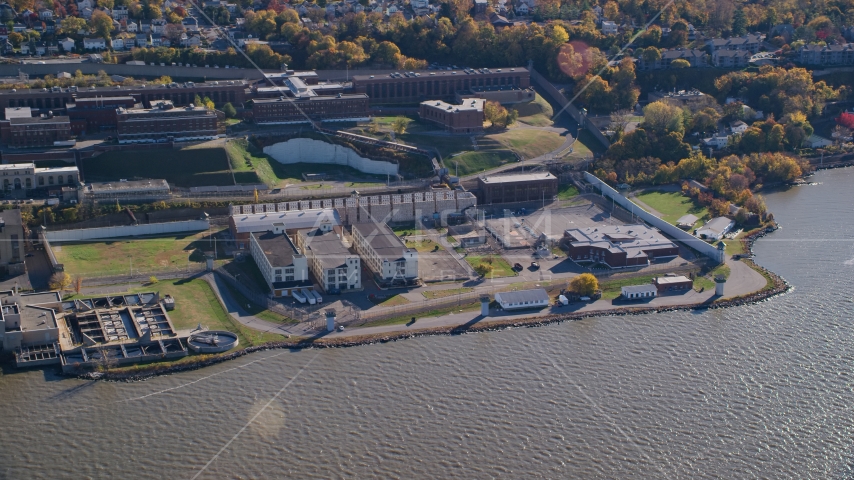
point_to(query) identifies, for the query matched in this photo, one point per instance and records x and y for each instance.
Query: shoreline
(778, 286)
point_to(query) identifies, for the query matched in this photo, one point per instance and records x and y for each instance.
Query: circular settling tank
(212, 341)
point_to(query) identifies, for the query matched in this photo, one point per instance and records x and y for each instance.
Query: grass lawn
(500, 267)
(566, 192)
(537, 113)
(474, 162)
(390, 301)
(446, 145)
(734, 246)
(466, 307)
(232, 121)
(446, 293)
(707, 281)
(250, 271)
(529, 143)
(423, 245)
(188, 167)
(149, 254)
(673, 205)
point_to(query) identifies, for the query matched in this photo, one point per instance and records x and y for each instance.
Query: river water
(762, 390)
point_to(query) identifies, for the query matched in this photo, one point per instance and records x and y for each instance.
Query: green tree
(680, 63)
(661, 116)
(229, 110)
(70, 26)
(483, 269)
(739, 22)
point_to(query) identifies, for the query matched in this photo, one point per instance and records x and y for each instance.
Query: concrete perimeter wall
(308, 150)
(570, 109)
(671, 231)
(127, 231)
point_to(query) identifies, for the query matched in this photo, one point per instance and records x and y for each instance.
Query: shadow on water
(73, 391)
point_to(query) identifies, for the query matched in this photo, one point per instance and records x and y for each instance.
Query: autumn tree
(585, 284)
(399, 125)
(495, 113)
(59, 281)
(483, 269)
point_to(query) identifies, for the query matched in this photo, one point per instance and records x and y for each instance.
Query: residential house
(132, 27)
(749, 42)
(191, 24)
(67, 44)
(480, 6)
(145, 26)
(117, 43)
(45, 14)
(190, 41)
(827, 55)
(156, 40)
(815, 141)
(19, 28)
(738, 127)
(86, 13)
(694, 56)
(49, 27)
(522, 9)
(120, 13)
(41, 48)
(84, 4)
(609, 27)
(95, 43)
(158, 25)
(27, 48)
(717, 142)
(731, 58)
(143, 40)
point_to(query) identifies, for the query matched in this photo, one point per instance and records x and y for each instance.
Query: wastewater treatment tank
(212, 341)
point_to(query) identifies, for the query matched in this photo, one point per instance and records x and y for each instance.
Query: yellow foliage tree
(584, 284)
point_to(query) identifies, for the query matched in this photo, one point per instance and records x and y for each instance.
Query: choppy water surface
(763, 390)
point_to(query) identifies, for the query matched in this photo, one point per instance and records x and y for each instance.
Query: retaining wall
(307, 150)
(672, 231)
(127, 231)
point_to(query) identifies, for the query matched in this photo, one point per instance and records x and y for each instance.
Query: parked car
(535, 265)
(517, 266)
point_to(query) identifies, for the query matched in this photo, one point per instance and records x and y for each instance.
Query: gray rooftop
(519, 177)
(38, 120)
(130, 186)
(387, 245)
(277, 247)
(521, 296)
(638, 288)
(326, 246)
(635, 240)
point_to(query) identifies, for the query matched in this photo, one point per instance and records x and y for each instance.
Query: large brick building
(520, 187)
(415, 87)
(467, 117)
(285, 110)
(221, 92)
(96, 113)
(617, 246)
(164, 120)
(21, 130)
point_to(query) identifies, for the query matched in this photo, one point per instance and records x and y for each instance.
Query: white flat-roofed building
(522, 299)
(241, 225)
(331, 263)
(632, 292)
(281, 264)
(385, 254)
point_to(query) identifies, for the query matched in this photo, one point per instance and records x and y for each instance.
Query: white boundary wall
(672, 231)
(127, 231)
(309, 150)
